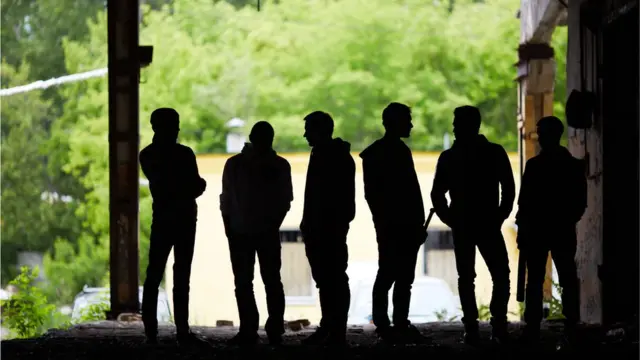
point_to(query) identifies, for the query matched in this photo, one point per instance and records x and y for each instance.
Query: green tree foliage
(33, 213)
(28, 311)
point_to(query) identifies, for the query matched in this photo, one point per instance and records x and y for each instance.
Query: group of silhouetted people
(257, 194)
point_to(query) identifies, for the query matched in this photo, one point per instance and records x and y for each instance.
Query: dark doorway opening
(619, 75)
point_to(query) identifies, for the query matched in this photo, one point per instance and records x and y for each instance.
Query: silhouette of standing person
(175, 184)
(473, 171)
(329, 207)
(256, 196)
(553, 198)
(393, 193)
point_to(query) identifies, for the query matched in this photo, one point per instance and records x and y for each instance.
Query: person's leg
(536, 270)
(243, 257)
(159, 249)
(183, 257)
(317, 257)
(464, 248)
(494, 252)
(406, 265)
(406, 269)
(270, 260)
(338, 288)
(563, 255)
(384, 281)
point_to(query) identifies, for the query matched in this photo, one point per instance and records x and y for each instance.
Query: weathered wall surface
(589, 254)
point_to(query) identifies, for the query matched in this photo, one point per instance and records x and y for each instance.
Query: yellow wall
(212, 290)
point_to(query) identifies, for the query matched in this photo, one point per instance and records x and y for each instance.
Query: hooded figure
(256, 196)
(473, 172)
(393, 193)
(175, 184)
(553, 198)
(329, 207)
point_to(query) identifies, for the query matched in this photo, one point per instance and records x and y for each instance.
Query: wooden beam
(124, 134)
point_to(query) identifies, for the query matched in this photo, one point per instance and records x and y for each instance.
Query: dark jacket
(173, 177)
(479, 179)
(391, 186)
(553, 194)
(256, 191)
(329, 195)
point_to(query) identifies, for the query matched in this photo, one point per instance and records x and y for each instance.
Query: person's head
(318, 128)
(165, 123)
(466, 122)
(396, 119)
(261, 135)
(549, 130)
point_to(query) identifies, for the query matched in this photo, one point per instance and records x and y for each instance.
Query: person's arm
(196, 184)
(507, 184)
(525, 197)
(372, 188)
(350, 189)
(285, 192)
(439, 191)
(225, 196)
(525, 206)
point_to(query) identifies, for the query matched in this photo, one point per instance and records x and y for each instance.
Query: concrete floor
(117, 341)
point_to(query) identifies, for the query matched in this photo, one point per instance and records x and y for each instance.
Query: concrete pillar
(124, 139)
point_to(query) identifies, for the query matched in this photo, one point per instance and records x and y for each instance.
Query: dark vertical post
(124, 70)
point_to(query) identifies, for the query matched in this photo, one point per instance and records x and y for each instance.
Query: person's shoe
(500, 335)
(319, 337)
(409, 335)
(530, 336)
(335, 340)
(471, 335)
(243, 339)
(190, 339)
(151, 340)
(568, 340)
(274, 339)
(386, 334)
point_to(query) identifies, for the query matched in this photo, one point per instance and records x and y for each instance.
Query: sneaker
(386, 334)
(243, 339)
(317, 338)
(500, 335)
(471, 337)
(151, 340)
(530, 336)
(190, 339)
(409, 335)
(274, 339)
(336, 340)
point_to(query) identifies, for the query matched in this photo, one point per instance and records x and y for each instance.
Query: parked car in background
(93, 296)
(431, 300)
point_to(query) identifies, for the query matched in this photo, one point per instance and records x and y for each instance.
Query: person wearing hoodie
(256, 196)
(478, 176)
(329, 208)
(553, 198)
(393, 194)
(175, 184)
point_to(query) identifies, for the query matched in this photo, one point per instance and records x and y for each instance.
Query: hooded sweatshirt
(473, 174)
(256, 191)
(553, 191)
(391, 185)
(173, 176)
(329, 196)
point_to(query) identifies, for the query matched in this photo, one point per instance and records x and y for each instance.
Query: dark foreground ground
(117, 341)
